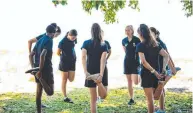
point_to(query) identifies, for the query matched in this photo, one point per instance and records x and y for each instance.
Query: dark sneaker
(131, 102)
(36, 69)
(68, 100)
(43, 106)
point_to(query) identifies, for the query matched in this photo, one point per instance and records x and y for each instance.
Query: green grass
(116, 102)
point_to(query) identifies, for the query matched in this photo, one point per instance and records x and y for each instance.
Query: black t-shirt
(40, 36)
(44, 43)
(94, 53)
(151, 56)
(67, 48)
(130, 54)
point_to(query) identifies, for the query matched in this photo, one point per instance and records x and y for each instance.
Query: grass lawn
(116, 102)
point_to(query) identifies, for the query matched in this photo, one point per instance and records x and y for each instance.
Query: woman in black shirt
(67, 64)
(149, 51)
(94, 53)
(105, 75)
(171, 70)
(131, 60)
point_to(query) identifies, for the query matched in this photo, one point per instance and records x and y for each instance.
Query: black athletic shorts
(131, 67)
(148, 80)
(91, 83)
(47, 75)
(66, 66)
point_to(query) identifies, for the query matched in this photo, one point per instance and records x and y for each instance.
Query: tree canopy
(110, 8)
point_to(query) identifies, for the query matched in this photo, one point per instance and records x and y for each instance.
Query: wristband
(153, 71)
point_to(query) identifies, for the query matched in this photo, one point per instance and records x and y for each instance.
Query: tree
(188, 7)
(110, 8)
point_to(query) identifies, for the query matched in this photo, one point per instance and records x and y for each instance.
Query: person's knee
(64, 80)
(50, 93)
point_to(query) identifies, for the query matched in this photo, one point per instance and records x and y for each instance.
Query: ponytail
(144, 31)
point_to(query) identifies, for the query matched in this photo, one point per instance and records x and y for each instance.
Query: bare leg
(162, 101)
(150, 99)
(135, 78)
(99, 91)
(38, 97)
(167, 79)
(64, 82)
(93, 95)
(71, 76)
(102, 90)
(130, 86)
(48, 88)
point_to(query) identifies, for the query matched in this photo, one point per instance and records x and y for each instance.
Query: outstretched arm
(31, 58)
(84, 52)
(103, 63)
(165, 58)
(30, 42)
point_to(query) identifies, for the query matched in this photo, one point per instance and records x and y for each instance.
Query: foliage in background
(110, 8)
(188, 7)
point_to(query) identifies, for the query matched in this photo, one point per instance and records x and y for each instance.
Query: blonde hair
(130, 27)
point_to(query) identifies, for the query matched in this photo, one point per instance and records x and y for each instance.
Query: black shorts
(47, 76)
(131, 67)
(66, 66)
(91, 83)
(148, 80)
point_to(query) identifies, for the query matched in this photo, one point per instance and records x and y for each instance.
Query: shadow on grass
(116, 102)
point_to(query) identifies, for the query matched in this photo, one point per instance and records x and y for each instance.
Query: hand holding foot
(87, 75)
(93, 77)
(99, 79)
(38, 75)
(33, 70)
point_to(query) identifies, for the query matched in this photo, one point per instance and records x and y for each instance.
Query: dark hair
(154, 30)
(66, 34)
(96, 33)
(72, 32)
(50, 29)
(58, 29)
(54, 24)
(144, 31)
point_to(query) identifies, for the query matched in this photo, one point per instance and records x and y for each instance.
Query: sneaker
(36, 69)
(99, 100)
(131, 102)
(43, 106)
(68, 100)
(93, 76)
(160, 111)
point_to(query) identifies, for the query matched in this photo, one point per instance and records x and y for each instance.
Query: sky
(21, 20)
